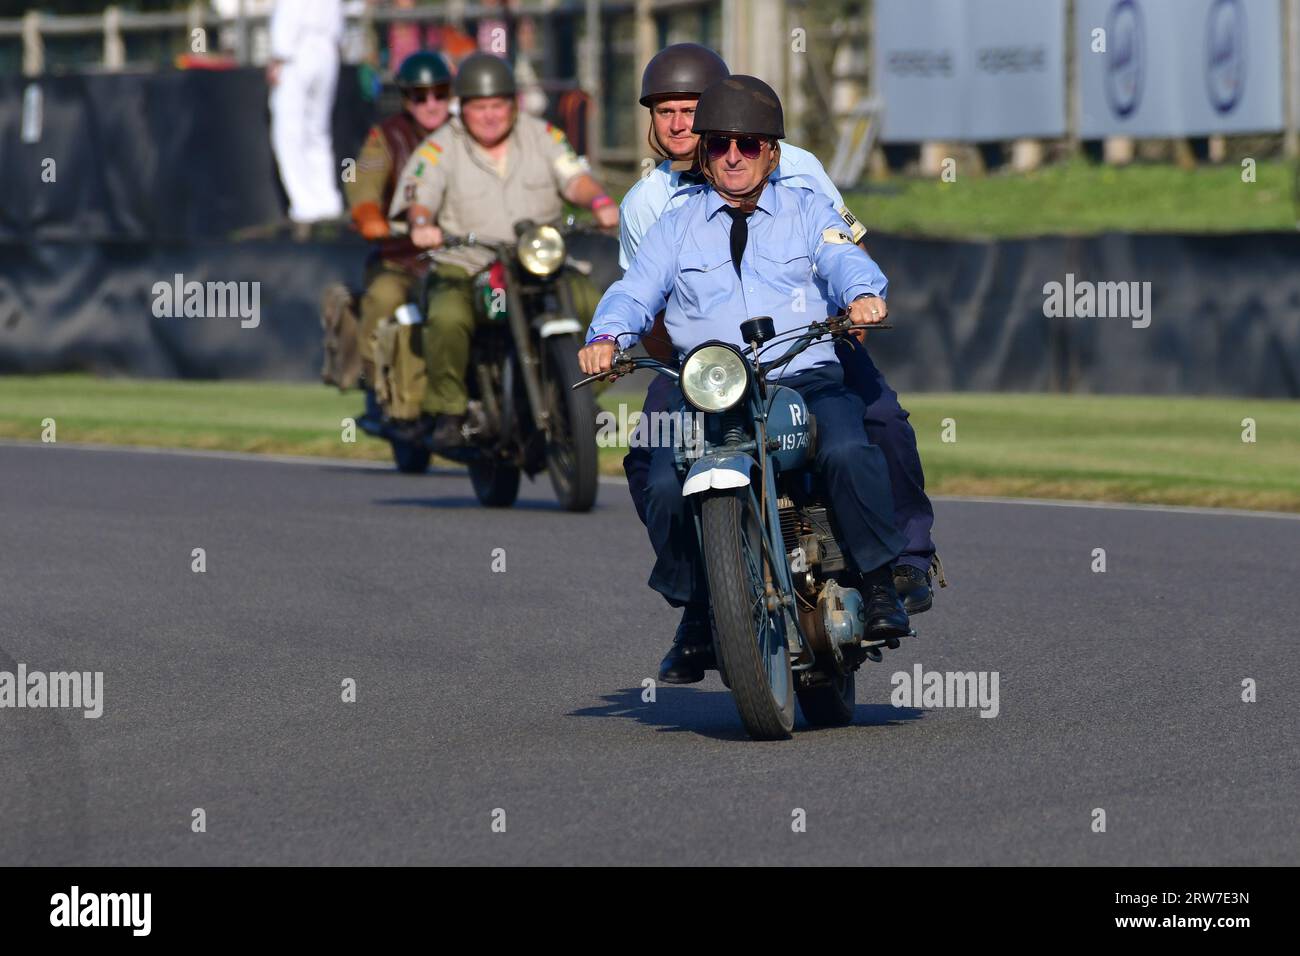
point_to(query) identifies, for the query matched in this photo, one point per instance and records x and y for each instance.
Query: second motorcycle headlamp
(714, 377)
(541, 250)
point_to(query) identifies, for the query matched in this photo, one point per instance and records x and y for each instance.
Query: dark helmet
(686, 68)
(482, 74)
(425, 68)
(740, 104)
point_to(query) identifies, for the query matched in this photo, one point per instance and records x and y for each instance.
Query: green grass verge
(1080, 198)
(1158, 450)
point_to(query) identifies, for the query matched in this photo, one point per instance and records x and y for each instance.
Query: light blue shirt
(662, 189)
(799, 265)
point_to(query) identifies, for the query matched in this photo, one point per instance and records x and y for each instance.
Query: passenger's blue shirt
(799, 265)
(662, 189)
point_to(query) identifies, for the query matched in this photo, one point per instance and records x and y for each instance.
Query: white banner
(970, 69)
(1163, 68)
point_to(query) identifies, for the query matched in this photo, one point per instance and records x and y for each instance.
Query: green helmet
(483, 74)
(424, 68)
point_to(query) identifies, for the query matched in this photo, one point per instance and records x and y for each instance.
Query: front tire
(750, 640)
(571, 455)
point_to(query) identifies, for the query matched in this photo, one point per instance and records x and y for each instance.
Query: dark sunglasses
(418, 94)
(719, 146)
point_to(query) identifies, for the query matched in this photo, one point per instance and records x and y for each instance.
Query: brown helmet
(740, 104)
(683, 68)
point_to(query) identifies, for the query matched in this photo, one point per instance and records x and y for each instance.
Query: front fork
(529, 360)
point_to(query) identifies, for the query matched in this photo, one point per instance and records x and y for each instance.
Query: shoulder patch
(431, 152)
(557, 134)
(835, 235)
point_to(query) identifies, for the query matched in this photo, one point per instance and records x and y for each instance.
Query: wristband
(421, 221)
(600, 202)
(603, 338)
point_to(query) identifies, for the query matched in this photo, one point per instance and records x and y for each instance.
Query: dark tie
(689, 178)
(739, 235)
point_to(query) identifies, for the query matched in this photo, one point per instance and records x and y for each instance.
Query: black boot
(411, 431)
(692, 650)
(913, 587)
(886, 619)
(448, 432)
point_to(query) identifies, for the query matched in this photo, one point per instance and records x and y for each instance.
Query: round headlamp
(541, 250)
(714, 377)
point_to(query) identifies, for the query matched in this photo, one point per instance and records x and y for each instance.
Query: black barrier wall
(1224, 312)
(1224, 315)
(172, 154)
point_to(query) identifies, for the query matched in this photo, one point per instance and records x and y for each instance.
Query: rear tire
(829, 705)
(496, 483)
(571, 455)
(750, 641)
(410, 458)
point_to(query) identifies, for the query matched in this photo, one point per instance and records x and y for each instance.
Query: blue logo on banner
(1225, 54)
(1125, 57)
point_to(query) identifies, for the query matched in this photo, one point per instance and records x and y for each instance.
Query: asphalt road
(522, 691)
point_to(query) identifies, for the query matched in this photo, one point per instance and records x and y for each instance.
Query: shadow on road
(468, 501)
(712, 713)
(386, 468)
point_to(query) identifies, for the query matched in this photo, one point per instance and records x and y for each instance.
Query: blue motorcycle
(788, 620)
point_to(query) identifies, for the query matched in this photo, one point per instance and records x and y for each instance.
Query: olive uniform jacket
(451, 175)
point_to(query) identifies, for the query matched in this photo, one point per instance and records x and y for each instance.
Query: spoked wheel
(495, 481)
(751, 641)
(410, 458)
(828, 704)
(571, 454)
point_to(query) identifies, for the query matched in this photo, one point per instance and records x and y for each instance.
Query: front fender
(559, 327)
(718, 471)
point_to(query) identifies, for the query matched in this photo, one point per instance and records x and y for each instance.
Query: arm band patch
(856, 229)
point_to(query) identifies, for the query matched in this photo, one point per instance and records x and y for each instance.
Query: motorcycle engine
(834, 617)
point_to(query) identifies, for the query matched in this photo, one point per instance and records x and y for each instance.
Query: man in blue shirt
(670, 89)
(741, 246)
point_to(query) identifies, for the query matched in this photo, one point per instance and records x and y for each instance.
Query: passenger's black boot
(886, 619)
(913, 586)
(371, 421)
(692, 650)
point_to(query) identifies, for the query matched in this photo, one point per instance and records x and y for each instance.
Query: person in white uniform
(303, 74)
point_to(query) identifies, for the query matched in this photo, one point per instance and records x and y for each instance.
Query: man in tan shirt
(481, 174)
